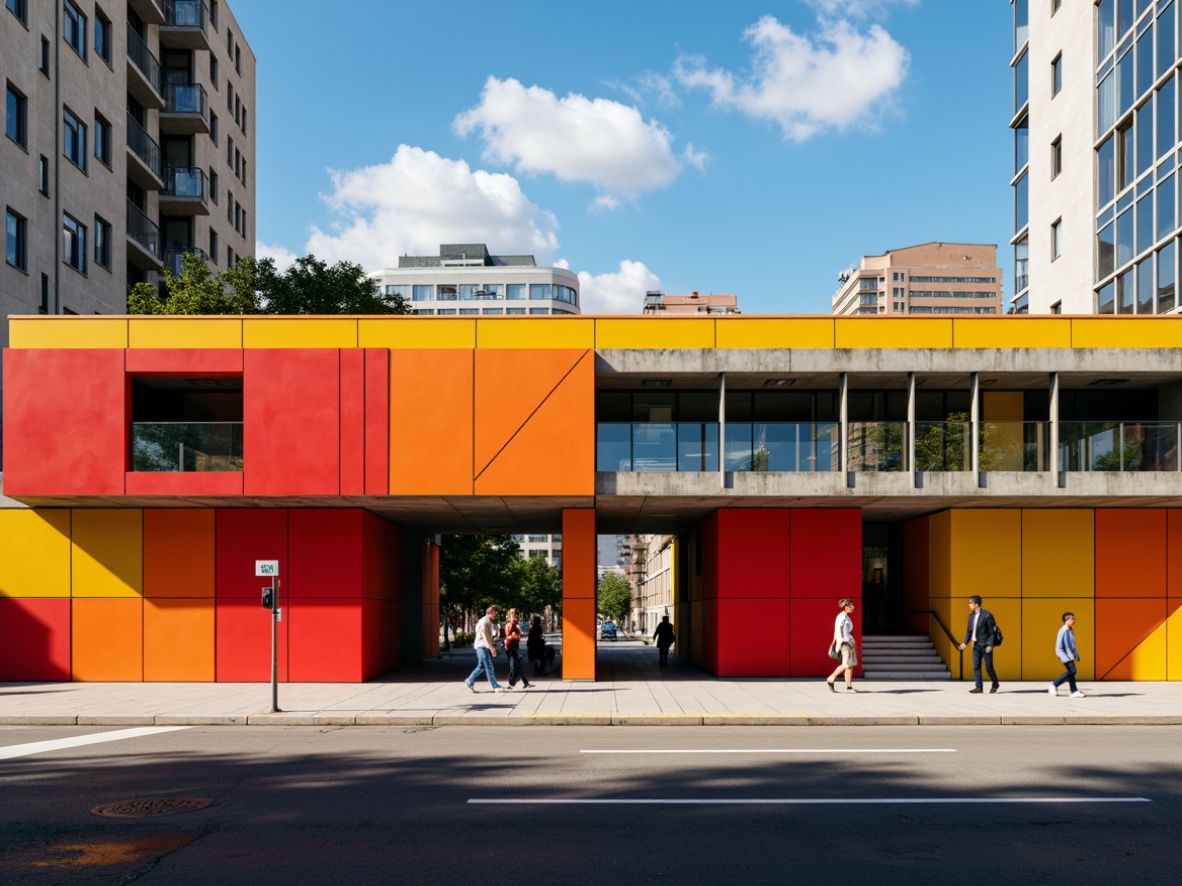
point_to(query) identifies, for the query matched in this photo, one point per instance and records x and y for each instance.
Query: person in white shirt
(843, 640)
(485, 651)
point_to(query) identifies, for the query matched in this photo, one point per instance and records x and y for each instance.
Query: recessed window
(243, 123)
(213, 127)
(1056, 246)
(16, 115)
(1057, 308)
(238, 59)
(44, 306)
(213, 185)
(75, 28)
(16, 236)
(244, 170)
(213, 245)
(43, 175)
(1056, 157)
(102, 36)
(229, 98)
(213, 70)
(229, 151)
(45, 56)
(213, 13)
(74, 243)
(102, 139)
(74, 139)
(102, 242)
(19, 8)
(1057, 75)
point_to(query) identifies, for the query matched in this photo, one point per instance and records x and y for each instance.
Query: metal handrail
(142, 57)
(947, 633)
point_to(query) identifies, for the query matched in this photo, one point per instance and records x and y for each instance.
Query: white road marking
(777, 751)
(77, 741)
(816, 801)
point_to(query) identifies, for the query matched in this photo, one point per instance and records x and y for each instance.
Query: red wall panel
(325, 641)
(243, 536)
(325, 553)
(352, 422)
(243, 631)
(826, 553)
(1130, 552)
(193, 362)
(66, 418)
(34, 639)
(377, 421)
(810, 632)
(291, 421)
(752, 553)
(751, 636)
(193, 483)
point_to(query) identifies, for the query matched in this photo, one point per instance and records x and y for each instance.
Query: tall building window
(514, 291)
(213, 70)
(213, 13)
(102, 36)
(44, 306)
(1021, 203)
(1057, 75)
(1021, 264)
(102, 139)
(74, 243)
(1166, 116)
(16, 235)
(102, 242)
(16, 116)
(1055, 4)
(1166, 289)
(540, 291)
(43, 175)
(19, 8)
(422, 292)
(238, 59)
(75, 28)
(1056, 157)
(213, 127)
(45, 56)
(1167, 44)
(74, 139)
(1021, 23)
(1021, 82)
(213, 245)
(1055, 242)
(1021, 144)
(1105, 29)
(213, 185)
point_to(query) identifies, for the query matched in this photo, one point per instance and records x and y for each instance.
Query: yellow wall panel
(986, 553)
(1041, 619)
(763, 332)
(108, 552)
(1149, 660)
(1007, 658)
(892, 332)
(1126, 332)
(299, 332)
(1011, 332)
(34, 553)
(655, 332)
(1058, 553)
(67, 332)
(540, 332)
(1174, 642)
(417, 332)
(942, 606)
(187, 332)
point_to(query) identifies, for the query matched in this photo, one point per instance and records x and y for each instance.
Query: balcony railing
(180, 181)
(184, 14)
(878, 446)
(174, 259)
(1014, 446)
(693, 446)
(174, 447)
(1119, 446)
(143, 145)
(142, 58)
(185, 99)
(142, 229)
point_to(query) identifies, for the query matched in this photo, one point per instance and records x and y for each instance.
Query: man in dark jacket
(664, 637)
(982, 633)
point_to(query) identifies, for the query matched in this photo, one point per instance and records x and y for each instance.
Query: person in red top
(513, 651)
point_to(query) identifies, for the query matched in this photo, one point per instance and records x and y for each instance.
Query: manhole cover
(156, 806)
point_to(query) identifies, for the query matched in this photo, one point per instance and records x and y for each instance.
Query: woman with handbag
(842, 647)
(513, 651)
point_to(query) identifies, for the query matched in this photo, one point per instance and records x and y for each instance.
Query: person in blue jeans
(1068, 654)
(982, 633)
(485, 651)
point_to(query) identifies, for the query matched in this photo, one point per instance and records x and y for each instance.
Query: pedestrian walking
(535, 645)
(513, 651)
(485, 651)
(664, 637)
(843, 642)
(982, 633)
(1069, 655)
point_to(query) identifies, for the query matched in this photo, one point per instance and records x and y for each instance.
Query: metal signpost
(270, 569)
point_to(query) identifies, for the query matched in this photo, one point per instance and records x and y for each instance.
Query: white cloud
(576, 139)
(284, 258)
(618, 293)
(806, 84)
(419, 200)
(856, 8)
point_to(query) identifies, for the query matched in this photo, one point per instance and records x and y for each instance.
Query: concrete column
(722, 428)
(579, 584)
(843, 417)
(911, 426)
(1054, 422)
(975, 422)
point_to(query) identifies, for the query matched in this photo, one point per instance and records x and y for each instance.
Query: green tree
(614, 596)
(475, 572)
(195, 291)
(536, 585)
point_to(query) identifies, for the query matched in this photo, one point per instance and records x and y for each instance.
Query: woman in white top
(843, 640)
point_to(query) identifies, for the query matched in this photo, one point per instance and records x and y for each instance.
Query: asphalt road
(363, 805)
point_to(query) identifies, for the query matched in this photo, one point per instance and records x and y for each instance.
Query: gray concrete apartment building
(931, 278)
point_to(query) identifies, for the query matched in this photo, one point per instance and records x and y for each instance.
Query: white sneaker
(1052, 689)
(1078, 695)
(500, 689)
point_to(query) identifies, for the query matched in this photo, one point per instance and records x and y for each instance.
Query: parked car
(607, 630)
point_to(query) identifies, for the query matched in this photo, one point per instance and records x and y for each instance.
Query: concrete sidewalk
(631, 691)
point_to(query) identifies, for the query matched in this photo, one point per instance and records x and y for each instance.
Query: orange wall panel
(1130, 552)
(1122, 627)
(108, 640)
(431, 424)
(179, 552)
(578, 639)
(179, 640)
(579, 554)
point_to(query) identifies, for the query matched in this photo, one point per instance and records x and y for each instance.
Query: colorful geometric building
(148, 461)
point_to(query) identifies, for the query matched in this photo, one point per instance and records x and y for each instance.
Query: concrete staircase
(903, 657)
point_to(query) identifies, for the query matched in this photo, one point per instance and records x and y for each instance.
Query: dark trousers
(516, 671)
(980, 654)
(1068, 676)
(664, 650)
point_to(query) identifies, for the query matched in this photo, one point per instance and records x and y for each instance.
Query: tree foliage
(614, 596)
(253, 286)
(538, 585)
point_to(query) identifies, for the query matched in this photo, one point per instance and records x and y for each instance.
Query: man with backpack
(982, 632)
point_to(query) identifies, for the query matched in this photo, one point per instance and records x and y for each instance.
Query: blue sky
(738, 147)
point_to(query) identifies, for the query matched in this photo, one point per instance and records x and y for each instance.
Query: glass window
(469, 311)
(1124, 293)
(1124, 83)
(1055, 246)
(422, 292)
(1021, 264)
(1106, 103)
(445, 292)
(400, 289)
(514, 291)
(102, 36)
(1021, 23)
(1145, 228)
(102, 139)
(1166, 278)
(1057, 75)
(1145, 146)
(1167, 53)
(19, 8)
(1106, 36)
(1124, 17)
(1106, 172)
(1021, 203)
(44, 56)
(43, 175)
(213, 245)
(514, 310)
(75, 28)
(1166, 135)
(1145, 67)
(1021, 145)
(1021, 82)
(1124, 157)
(493, 311)
(16, 116)
(74, 243)
(16, 234)
(1145, 286)
(1056, 156)
(1105, 251)
(75, 139)
(1124, 238)
(447, 311)
(102, 242)
(540, 291)
(467, 291)
(1104, 299)
(539, 310)
(1166, 203)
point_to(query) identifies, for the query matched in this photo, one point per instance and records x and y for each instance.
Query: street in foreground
(582, 805)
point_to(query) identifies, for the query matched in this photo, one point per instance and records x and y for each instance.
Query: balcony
(1119, 446)
(174, 258)
(693, 446)
(143, 157)
(149, 10)
(143, 239)
(185, 448)
(184, 192)
(186, 110)
(184, 25)
(143, 72)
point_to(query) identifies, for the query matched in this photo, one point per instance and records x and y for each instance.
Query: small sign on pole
(266, 568)
(270, 569)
